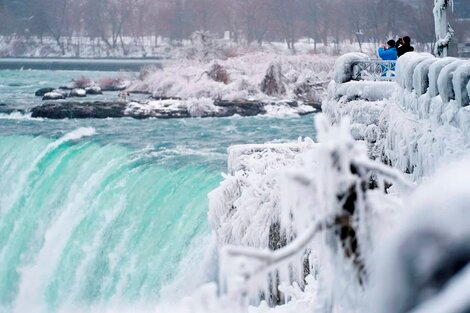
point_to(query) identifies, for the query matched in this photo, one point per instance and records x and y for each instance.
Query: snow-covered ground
(149, 46)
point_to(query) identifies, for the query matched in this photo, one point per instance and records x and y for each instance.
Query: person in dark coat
(404, 46)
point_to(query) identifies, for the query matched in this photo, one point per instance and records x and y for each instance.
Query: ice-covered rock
(93, 90)
(54, 95)
(273, 81)
(78, 92)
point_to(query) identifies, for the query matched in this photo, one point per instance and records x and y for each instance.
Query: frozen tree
(328, 210)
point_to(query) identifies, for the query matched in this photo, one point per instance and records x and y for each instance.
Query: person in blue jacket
(388, 53)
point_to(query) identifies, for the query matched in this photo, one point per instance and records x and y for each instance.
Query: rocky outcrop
(68, 109)
(41, 92)
(163, 109)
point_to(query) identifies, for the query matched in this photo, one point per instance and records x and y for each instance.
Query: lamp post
(444, 31)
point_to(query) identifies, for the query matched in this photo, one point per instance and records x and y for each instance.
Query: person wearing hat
(388, 52)
(404, 46)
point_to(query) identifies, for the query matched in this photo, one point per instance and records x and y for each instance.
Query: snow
(170, 105)
(411, 240)
(344, 66)
(54, 95)
(415, 272)
(199, 107)
(78, 92)
(366, 90)
(404, 234)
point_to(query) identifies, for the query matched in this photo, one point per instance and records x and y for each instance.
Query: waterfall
(84, 224)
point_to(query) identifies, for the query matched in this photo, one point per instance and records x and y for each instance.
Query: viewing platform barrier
(374, 70)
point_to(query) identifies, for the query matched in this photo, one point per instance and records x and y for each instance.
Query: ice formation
(444, 32)
(426, 268)
(306, 190)
(424, 121)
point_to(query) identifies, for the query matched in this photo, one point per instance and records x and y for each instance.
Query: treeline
(324, 21)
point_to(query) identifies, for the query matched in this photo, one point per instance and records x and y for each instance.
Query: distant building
(462, 27)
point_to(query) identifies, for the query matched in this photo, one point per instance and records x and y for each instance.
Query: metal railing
(374, 70)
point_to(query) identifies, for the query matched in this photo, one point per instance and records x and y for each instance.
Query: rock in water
(54, 95)
(41, 92)
(70, 109)
(93, 90)
(78, 92)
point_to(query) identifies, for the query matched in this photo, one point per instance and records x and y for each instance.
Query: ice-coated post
(444, 31)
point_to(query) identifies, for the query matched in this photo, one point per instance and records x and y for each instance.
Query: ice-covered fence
(418, 121)
(422, 73)
(375, 70)
(358, 66)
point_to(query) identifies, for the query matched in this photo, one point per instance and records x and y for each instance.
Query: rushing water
(110, 212)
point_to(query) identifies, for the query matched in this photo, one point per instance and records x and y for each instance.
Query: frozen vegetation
(369, 219)
(252, 77)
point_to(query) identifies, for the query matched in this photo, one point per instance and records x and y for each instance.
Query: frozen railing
(374, 70)
(422, 73)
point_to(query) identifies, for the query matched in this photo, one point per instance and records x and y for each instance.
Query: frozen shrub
(218, 73)
(146, 71)
(206, 46)
(113, 83)
(82, 82)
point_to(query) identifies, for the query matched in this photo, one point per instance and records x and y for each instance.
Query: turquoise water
(17, 88)
(112, 212)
